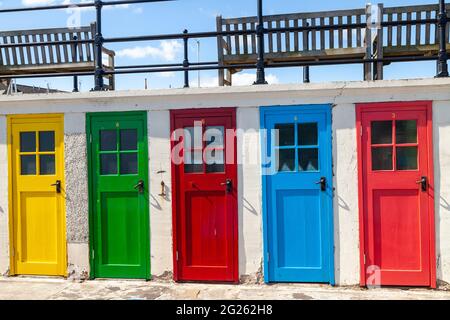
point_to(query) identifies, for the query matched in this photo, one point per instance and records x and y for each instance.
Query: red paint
(204, 213)
(396, 217)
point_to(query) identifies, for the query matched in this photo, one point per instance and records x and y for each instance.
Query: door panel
(397, 209)
(205, 206)
(119, 195)
(298, 216)
(38, 209)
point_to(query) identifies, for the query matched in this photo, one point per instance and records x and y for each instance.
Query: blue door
(297, 195)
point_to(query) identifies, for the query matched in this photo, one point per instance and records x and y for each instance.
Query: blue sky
(195, 15)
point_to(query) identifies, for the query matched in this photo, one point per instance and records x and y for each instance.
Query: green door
(118, 178)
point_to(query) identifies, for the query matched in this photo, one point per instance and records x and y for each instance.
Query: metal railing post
(442, 70)
(306, 68)
(98, 47)
(75, 78)
(260, 63)
(186, 59)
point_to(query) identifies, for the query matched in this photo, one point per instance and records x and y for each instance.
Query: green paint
(119, 214)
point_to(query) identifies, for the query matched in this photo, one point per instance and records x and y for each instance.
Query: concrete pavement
(22, 288)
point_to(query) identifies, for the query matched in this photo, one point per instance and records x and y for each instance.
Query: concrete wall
(4, 229)
(343, 96)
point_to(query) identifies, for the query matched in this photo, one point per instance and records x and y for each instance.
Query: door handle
(229, 184)
(323, 184)
(140, 186)
(423, 183)
(57, 185)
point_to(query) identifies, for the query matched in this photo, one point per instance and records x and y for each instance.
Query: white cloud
(239, 79)
(37, 2)
(167, 51)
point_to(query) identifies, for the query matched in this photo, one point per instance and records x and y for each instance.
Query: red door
(204, 174)
(396, 194)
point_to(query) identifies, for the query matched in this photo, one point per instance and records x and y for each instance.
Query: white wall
(345, 202)
(4, 231)
(249, 193)
(160, 207)
(247, 100)
(441, 137)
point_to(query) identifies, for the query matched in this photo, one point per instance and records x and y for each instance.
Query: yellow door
(37, 192)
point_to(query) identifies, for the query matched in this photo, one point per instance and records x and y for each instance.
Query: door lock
(229, 184)
(323, 183)
(140, 186)
(423, 183)
(57, 185)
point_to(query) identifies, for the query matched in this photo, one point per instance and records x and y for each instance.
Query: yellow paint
(37, 212)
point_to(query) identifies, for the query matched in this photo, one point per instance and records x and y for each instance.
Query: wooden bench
(58, 58)
(332, 43)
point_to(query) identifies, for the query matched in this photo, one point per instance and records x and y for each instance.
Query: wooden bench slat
(14, 50)
(305, 36)
(418, 28)
(80, 48)
(287, 36)
(408, 29)
(279, 48)
(245, 39)
(65, 50)
(21, 51)
(43, 53)
(87, 47)
(427, 28)
(57, 48)
(253, 28)
(399, 30)
(313, 35)
(340, 33)
(236, 39)
(358, 32)
(322, 34)
(28, 50)
(50, 48)
(349, 32)
(37, 61)
(331, 33)
(296, 44)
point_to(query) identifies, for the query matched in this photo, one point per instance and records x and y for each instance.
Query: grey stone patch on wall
(76, 273)
(77, 197)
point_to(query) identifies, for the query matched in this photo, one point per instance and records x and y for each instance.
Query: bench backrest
(330, 38)
(47, 55)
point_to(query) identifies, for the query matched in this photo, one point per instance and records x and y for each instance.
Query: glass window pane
(286, 134)
(215, 160)
(307, 134)
(128, 163)
(28, 165)
(46, 141)
(108, 140)
(382, 158)
(193, 137)
(381, 132)
(286, 161)
(108, 164)
(47, 164)
(406, 158)
(128, 139)
(28, 142)
(214, 136)
(406, 131)
(308, 159)
(193, 161)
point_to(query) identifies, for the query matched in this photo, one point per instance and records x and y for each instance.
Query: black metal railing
(186, 66)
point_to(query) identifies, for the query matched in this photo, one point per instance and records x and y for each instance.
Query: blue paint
(298, 215)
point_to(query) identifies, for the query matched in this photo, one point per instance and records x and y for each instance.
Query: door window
(118, 152)
(37, 153)
(394, 145)
(204, 149)
(297, 146)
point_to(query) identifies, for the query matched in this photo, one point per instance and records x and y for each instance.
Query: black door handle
(423, 183)
(57, 185)
(229, 184)
(323, 184)
(140, 186)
